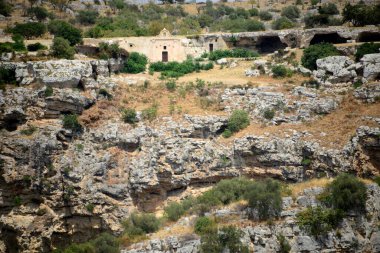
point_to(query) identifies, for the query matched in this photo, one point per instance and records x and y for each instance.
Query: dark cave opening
(12, 121)
(333, 38)
(368, 37)
(269, 44)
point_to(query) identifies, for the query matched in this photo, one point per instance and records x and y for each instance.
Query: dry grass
(175, 229)
(297, 188)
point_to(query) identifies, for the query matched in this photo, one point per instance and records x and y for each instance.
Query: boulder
(337, 69)
(222, 61)
(252, 72)
(369, 93)
(371, 66)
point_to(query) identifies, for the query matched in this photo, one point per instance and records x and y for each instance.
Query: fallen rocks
(371, 66)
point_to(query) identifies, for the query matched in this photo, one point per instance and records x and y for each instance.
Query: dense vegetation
(367, 48)
(233, 53)
(361, 14)
(175, 69)
(315, 52)
(61, 48)
(238, 120)
(60, 28)
(136, 63)
(104, 243)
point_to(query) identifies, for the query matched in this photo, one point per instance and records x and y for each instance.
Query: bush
(238, 120)
(171, 85)
(377, 180)
(129, 115)
(104, 243)
(5, 8)
(136, 63)
(204, 225)
(6, 47)
(253, 12)
(28, 131)
(227, 238)
(39, 12)
(174, 211)
(70, 121)
(150, 113)
(87, 17)
(282, 23)
(346, 193)
(62, 49)
(175, 69)
(318, 221)
(329, 9)
(49, 91)
(361, 14)
(281, 71)
(265, 15)
(265, 198)
(253, 25)
(291, 12)
(284, 244)
(105, 93)
(95, 32)
(18, 44)
(29, 30)
(231, 190)
(107, 50)
(65, 30)
(7, 76)
(36, 47)
(367, 48)
(140, 224)
(234, 53)
(269, 114)
(315, 52)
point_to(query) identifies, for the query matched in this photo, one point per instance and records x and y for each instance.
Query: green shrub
(136, 63)
(17, 201)
(6, 47)
(238, 120)
(306, 161)
(95, 32)
(253, 12)
(107, 50)
(377, 180)
(30, 30)
(357, 84)
(318, 221)
(265, 197)
(265, 15)
(140, 224)
(129, 115)
(284, 244)
(104, 243)
(171, 85)
(40, 13)
(60, 28)
(49, 91)
(87, 17)
(18, 44)
(329, 9)
(174, 211)
(281, 71)
(234, 53)
(5, 8)
(291, 12)
(150, 113)
(253, 25)
(7, 76)
(70, 121)
(366, 48)
(29, 131)
(204, 225)
(36, 47)
(315, 52)
(226, 238)
(61, 48)
(346, 193)
(105, 93)
(90, 207)
(231, 190)
(227, 133)
(282, 23)
(268, 114)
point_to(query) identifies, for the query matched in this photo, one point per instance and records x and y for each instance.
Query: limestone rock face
(371, 66)
(368, 93)
(337, 69)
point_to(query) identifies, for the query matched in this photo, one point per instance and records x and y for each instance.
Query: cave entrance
(269, 44)
(333, 38)
(368, 37)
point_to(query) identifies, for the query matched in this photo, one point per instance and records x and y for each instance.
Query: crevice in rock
(333, 38)
(9, 237)
(368, 37)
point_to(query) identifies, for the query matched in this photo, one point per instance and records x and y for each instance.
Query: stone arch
(333, 38)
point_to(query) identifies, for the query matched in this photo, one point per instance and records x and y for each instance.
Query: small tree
(136, 63)
(65, 30)
(315, 52)
(282, 23)
(30, 30)
(204, 225)
(174, 211)
(238, 120)
(62, 49)
(329, 9)
(5, 8)
(265, 15)
(87, 17)
(70, 121)
(291, 12)
(40, 13)
(129, 115)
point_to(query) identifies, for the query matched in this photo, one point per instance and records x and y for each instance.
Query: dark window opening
(368, 37)
(269, 44)
(333, 38)
(164, 47)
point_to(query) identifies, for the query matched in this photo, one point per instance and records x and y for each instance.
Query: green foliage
(361, 14)
(140, 224)
(282, 23)
(226, 238)
(87, 17)
(268, 114)
(104, 243)
(227, 133)
(346, 193)
(231, 190)
(253, 12)
(60, 28)
(367, 48)
(306, 161)
(234, 53)
(18, 44)
(61, 48)
(40, 13)
(291, 12)
(204, 225)
(284, 244)
(314, 2)
(29, 30)
(17, 201)
(29, 130)
(377, 180)
(357, 84)
(129, 115)
(318, 221)
(107, 50)
(238, 120)
(5, 8)
(90, 207)
(265, 198)
(136, 63)
(265, 15)
(95, 32)
(321, 20)
(150, 113)
(174, 211)
(6, 47)
(171, 85)
(280, 71)
(49, 91)
(70, 121)
(175, 69)
(7, 76)
(329, 9)
(315, 52)
(36, 47)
